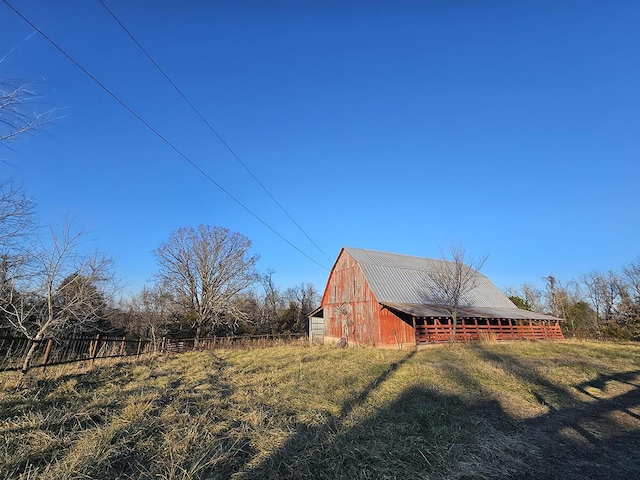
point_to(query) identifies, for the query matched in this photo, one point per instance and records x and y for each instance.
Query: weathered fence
(49, 352)
(173, 345)
(67, 350)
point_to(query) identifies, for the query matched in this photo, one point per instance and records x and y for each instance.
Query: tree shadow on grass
(595, 439)
(304, 453)
(420, 435)
(146, 426)
(591, 430)
(425, 434)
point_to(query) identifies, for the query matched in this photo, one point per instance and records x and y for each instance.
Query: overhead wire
(211, 128)
(159, 135)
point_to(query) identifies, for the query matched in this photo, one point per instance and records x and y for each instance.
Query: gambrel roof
(405, 283)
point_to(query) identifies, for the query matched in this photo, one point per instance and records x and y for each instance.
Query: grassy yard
(515, 410)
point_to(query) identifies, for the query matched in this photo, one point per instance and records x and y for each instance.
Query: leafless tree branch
(17, 115)
(56, 289)
(207, 267)
(452, 280)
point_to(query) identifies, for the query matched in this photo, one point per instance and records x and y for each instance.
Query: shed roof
(418, 310)
(403, 282)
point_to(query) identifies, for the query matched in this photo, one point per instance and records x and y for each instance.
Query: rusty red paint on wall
(352, 312)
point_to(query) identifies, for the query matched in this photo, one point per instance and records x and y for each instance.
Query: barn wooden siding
(352, 312)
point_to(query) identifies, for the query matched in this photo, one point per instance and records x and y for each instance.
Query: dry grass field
(563, 410)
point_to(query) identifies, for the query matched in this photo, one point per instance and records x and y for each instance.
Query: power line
(213, 130)
(158, 134)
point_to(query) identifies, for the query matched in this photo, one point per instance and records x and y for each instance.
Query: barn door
(316, 329)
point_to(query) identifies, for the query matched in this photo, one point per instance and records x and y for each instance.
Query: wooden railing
(178, 345)
(68, 350)
(442, 333)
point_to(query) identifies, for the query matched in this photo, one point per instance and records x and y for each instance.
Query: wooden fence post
(94, 353)
(122, 346)
(139, 347)
(45, 357)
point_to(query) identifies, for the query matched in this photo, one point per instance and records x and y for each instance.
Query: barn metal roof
(418, 310)
(406, 280)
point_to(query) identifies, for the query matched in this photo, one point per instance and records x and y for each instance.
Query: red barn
(383, 299)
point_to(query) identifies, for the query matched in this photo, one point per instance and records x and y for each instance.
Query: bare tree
(251, 304)
(305, 295)
(530, 296)
(16, 217)
(566, 300)
(556, 297)
(596, 287)
(451, 281)
(56, 289)
(17, 116)
(272, 303)
(16, 228)
(149, 314)
(632, 276)
(206, 267)
(606, 292)
(303, 299)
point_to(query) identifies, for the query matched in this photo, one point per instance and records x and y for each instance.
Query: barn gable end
(353, 313)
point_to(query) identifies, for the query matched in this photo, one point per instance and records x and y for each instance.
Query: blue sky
(511, 128)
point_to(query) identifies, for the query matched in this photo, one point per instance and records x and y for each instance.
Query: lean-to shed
(384, 299)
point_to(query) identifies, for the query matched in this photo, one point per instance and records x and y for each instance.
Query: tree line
(206, 284)
(599, 305)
